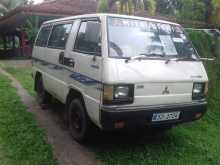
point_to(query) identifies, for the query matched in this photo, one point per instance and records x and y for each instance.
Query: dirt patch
(65, 149)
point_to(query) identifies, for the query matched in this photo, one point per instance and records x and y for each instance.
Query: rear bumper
(142, 116)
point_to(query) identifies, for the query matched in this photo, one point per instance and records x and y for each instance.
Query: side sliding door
(55, 51)
(38, 54)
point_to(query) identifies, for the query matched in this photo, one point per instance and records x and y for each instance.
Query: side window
(59, 36)
(88, 39)
(43, 36)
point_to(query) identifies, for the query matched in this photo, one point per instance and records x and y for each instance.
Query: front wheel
(79, 123)
(43, 96)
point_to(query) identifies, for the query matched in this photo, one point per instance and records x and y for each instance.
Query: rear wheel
(43, 96)
(79, 123)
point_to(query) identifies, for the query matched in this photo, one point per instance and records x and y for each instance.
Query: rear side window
(43, 36)
(88, 39)
(59, 36)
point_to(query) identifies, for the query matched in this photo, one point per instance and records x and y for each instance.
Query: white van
(114, 71)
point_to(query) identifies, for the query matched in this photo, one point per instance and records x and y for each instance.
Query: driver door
(86, 54)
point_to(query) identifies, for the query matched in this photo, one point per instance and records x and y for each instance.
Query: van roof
(104, 14)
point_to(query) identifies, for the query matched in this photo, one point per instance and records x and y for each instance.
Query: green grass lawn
(24, 76)
(22, 142)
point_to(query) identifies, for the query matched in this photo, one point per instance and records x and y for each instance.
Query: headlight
(121, 92)
(199, 91)
(118, 94)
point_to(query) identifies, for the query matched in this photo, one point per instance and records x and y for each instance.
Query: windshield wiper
(152, 55)
(144, 56)
(139, 57)
(186, 58)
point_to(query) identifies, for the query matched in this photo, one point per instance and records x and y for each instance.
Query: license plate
(165, 116)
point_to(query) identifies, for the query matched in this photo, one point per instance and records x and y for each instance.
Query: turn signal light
(119, 125)
(198, 115)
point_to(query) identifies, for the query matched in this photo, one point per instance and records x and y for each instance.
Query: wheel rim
(76, 123)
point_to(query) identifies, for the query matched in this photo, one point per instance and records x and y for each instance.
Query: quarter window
(43, 36)
(88, 39)
(59, 36)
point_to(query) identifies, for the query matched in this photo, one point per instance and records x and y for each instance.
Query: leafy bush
(204, 43)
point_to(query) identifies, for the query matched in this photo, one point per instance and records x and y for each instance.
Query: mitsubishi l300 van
(118, 72)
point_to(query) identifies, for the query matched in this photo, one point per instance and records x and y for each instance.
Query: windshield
(130, 37)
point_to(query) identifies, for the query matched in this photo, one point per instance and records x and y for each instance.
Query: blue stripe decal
(76, 76)
(83, 79)
(94, 66)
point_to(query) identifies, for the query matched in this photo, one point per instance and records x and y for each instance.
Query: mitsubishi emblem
(166, 91)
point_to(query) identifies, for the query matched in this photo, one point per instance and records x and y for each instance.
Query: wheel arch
(74, 93)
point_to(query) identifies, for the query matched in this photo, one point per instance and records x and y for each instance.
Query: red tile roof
(50, 8)
(64, 7)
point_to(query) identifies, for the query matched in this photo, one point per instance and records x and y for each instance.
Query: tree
(216, 12)
(127, 6)
(151, 6)
(209, 9)
(31, 28)
(103, 6)
(192, 10)
(7, 5)
(168, 7)
(123, 6)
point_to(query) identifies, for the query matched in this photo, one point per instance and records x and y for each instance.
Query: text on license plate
(165, 116)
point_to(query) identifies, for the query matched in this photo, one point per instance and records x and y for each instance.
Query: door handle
(66, 61)
(71, 62)
(61, 58)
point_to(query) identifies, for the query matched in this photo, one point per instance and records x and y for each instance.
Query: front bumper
(140, 116)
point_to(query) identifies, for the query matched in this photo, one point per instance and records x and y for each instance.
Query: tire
(43, 96)
(80, 125)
